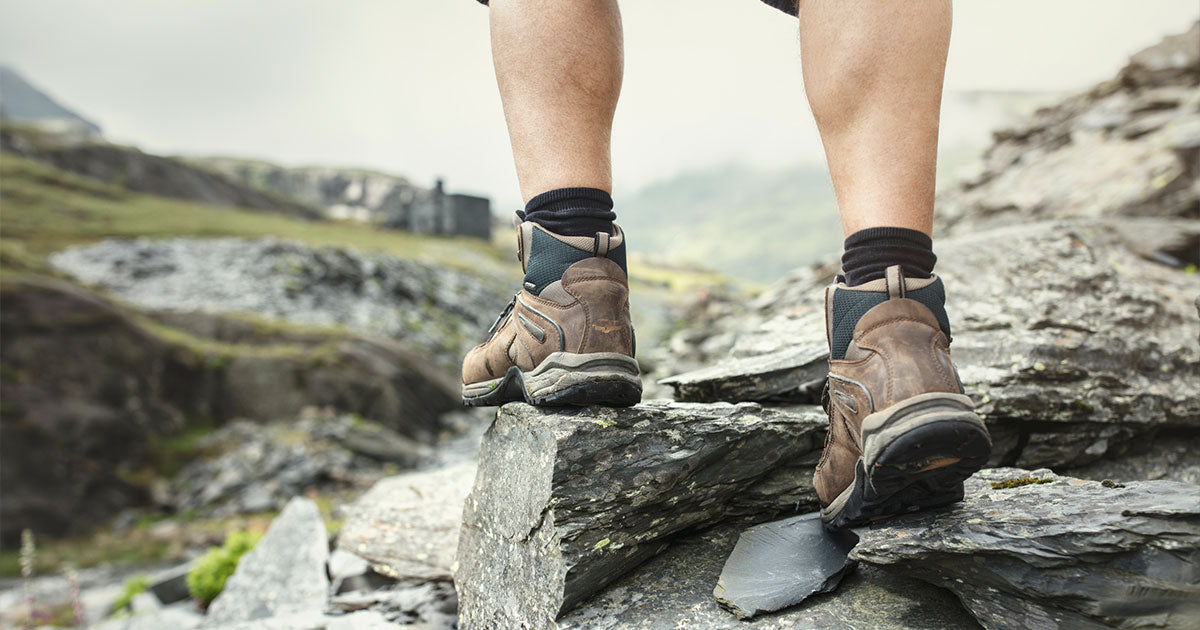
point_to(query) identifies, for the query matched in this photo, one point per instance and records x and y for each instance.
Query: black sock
(869, 252)
(572, 211)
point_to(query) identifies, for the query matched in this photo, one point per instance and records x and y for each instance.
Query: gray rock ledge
(1063, 554)
(566, 501)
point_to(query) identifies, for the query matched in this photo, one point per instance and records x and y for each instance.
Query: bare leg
(873, 72)
(559, 65)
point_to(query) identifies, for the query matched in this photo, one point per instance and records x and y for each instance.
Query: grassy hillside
(43, 209)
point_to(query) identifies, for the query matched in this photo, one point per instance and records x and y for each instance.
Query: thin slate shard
(780, 564)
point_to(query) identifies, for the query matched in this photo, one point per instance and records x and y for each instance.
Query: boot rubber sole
(916, 455)
(564, 379)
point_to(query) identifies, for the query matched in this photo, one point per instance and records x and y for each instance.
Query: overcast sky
(406, 85)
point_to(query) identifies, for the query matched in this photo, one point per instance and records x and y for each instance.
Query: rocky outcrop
(140, 172)
(1075, 332)
(362, 195)
(1128, 147)
(1069, 341)
(567, 501)
(283, 575)
(440, 310)
(91, 389)
(1035, 550)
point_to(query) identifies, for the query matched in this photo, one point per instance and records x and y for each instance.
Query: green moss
(134, 586)
(208, 575)
(1083, 405)
(1017, 483)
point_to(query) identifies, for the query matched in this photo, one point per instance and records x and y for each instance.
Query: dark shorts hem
(787, 6)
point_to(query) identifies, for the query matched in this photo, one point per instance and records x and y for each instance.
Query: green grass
(134, 586)
(43, 209)
(206, 579)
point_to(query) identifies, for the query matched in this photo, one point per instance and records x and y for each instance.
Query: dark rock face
(1070, 342)
(674, 590)
(68, 427)
(1064, 554)
(567, 501)
(439, 310)
(782, 563)
(1170, 455)
(89, 387)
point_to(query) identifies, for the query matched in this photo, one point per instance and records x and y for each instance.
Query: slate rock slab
(673, 591)
(170, 586)
(793, 372)
(407, 525)
(566, 501)
(283, 575)
(782, 563)
(1066, 553)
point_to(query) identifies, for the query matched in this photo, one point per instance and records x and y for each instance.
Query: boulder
(675, 590)
(407, 526)
(283, 575)
(1036, 550)
(1070, 342)
(566, 501)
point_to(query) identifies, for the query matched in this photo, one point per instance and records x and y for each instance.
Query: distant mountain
(22, 103)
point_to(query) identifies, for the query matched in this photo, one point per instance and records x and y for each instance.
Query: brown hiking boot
(902, 436)
(566, 338)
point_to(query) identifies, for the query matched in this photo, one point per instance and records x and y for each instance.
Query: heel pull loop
(600, 248)
(894, 281)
